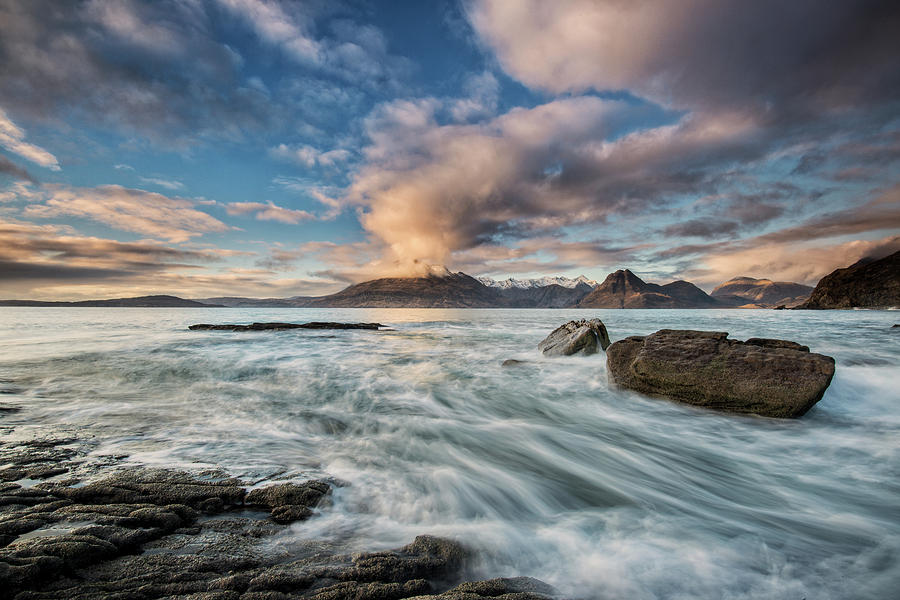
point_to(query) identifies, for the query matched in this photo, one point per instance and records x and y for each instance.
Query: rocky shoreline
(153, 533)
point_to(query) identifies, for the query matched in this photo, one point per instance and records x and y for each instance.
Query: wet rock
(303, 494)
(371, 591)
(427, 557)
(584, 337)
(773, 378)
(154, 486)
(290, 513)
(281, 326)
(514, 588)
(512, 362)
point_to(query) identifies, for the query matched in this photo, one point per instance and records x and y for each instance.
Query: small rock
(576, 337)
(512, 362)
(290, 513)
(304, 494)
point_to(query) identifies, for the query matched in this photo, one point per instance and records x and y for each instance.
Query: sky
(272, 148)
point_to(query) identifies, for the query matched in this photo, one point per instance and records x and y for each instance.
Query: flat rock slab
(576, 337)
(772, 378)
(280, 326)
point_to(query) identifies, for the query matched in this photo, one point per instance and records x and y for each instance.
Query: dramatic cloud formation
(756, 83)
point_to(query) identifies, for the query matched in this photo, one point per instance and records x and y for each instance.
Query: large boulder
(772, 378)
(576, 337)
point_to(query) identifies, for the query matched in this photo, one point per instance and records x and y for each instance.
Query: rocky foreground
(148, 534)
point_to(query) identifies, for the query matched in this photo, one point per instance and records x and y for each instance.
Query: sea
(543, 469)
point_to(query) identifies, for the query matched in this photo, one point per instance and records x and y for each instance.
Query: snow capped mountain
(525, 284)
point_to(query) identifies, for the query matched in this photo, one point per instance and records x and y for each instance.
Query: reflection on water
(543, 467)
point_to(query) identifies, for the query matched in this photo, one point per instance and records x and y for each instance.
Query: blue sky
(273, 148)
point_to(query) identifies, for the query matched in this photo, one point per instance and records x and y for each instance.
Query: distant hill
(761, 293)
(624, 289)
(138, 302)
(240, 302)
(866, 284)
(453, 290)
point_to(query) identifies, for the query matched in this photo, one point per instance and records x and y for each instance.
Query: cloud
(268, 212)
(146, 213)
(482, 95)
(804, 252)
(54, 262)
(32, 253)
(439, 182)
(12, 138)
(429, 190)
(805, 263)
(22, 190)
(10, 168)
(169, 184)
(168, 71)
(305, 155)
(701, 54)
(356, 53)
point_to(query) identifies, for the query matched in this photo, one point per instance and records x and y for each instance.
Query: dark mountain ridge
(868, 283)
(624, 289)
(158, 301)
(455, 290)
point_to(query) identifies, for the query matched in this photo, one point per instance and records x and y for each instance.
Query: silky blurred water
(543, 468)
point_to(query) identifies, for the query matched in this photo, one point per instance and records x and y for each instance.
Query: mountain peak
(623, 280)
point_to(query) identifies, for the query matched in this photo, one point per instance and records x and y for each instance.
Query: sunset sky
(271, 149)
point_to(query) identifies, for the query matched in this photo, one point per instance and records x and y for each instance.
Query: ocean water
(543, 468)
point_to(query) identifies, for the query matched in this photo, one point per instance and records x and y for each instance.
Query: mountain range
(443, 289)
(868, 283)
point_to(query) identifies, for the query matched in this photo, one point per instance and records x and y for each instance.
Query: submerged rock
(773, 378)
(279, 326)
(513, 362)
(576, 337)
